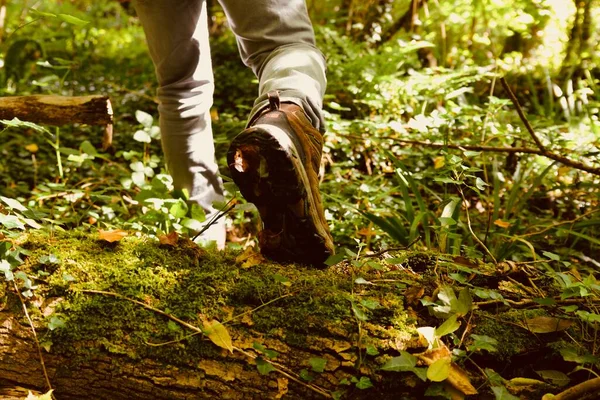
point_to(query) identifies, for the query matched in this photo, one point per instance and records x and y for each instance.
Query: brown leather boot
(275, 163)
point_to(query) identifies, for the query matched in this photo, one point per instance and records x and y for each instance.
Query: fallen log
(61, 110)
(136, 320)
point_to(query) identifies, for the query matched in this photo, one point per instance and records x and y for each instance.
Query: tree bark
(60, 110)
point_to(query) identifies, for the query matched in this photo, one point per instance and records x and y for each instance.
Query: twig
(278, 367)
(217, 217)
(515, 102)
(556, 224)
(37, 343)
(545, 152)
(526, 302)
(489, 253)
(576, 392)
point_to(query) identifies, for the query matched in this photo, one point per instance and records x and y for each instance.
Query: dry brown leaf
(413, 294)
(169, 239)
(218, 334)
(546, 324)
(112, 236)
(501, 224)
(282, 387)
(249, 258)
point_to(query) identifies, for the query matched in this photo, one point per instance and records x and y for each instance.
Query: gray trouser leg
(177, 36)
(276, 40)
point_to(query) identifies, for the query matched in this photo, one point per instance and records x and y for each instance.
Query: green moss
(187, 282)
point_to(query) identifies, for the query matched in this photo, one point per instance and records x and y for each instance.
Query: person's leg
(177, 36)
(275, 161)
(276, 40)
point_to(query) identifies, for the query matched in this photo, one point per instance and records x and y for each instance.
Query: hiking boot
(275, 163)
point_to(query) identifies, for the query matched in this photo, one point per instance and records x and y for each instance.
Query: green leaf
(465, 302)
(179, 209)
(197, 213)
(263, 366)
(88, 148)
(551, 256)
(439, 370)
(421, 373)
(362, 281)
(360, 314)
(72, 20)
(364, 383)
(42, 13)
(502, 393)
(449, 326)
(335, 258)
(370, 304)
(55, 323)
(404, 362)
(304, 374)
(142, 137)
(144, 118)
(480, 183)
(13, 204)
(317, 364)
(557, 378)
(482, 342)
(285, 281)
(372, 350)
(268, 353)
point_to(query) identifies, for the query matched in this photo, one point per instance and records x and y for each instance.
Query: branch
(577, 391)
(545, 152)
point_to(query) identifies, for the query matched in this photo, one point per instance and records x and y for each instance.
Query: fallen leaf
(169, 239)
(32, 148)
(249, 258)
(112, 236)
(92, 220)
(501, 224)
(546, 324)
(457, 377)
(282, 387)
(413, 294)
(218, 334)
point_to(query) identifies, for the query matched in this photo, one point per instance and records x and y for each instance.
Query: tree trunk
(60, 110)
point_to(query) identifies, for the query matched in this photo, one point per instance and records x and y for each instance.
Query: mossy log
(60, 110)
(298, 333)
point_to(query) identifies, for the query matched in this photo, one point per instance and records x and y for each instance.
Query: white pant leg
(276, 40)
(177, 36)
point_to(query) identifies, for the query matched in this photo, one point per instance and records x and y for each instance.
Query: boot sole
(265, 164)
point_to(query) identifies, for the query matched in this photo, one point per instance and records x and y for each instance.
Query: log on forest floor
(297, 333)
(60, 110)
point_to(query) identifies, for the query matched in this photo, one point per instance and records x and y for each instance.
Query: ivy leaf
(439, 370)
(360, 314)
(404, 362)
(218, 334)
(370, 304)
(502, 393)
(142, 137)
(449, 326)
(304, 374)
(55, 323)
(12, 203)
(263, 366)
(364, 383)
(317, 364)
(372, 350)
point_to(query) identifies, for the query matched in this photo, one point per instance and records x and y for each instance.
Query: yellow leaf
(546, 324)
(249, 258)
(501, 224)
(218, 334)
(439, 162)
(112, 236)
(455, 375)
(32, 148)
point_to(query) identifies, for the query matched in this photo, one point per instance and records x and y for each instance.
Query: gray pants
(275, 39)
